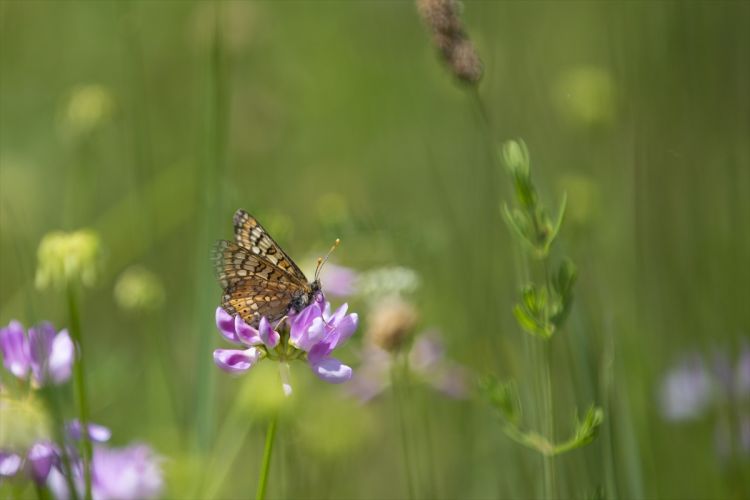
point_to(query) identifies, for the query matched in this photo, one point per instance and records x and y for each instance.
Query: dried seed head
(448, 35)
(390, 324)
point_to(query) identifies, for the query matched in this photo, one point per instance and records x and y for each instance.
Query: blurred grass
(644, 105)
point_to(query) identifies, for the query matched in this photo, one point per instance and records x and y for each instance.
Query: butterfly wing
(255, 299)
(248, 233)
(253, 286)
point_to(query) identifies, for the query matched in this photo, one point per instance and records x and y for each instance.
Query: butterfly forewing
(249, 234)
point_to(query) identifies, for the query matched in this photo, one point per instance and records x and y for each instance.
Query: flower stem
(80, 385)
(51, 400)
(396, 384)
(265, 467)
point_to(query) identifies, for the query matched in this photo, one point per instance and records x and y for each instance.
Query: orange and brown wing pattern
(234, 263)
(253, 300)
(248, 233)
(253, 286)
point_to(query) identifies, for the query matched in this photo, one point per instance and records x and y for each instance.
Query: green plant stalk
(42, 493)
(396, 381)
(547, 419)
(50, 398)
(209, 208)
(265, 467)
(80, 385)
(229, 440)
(548, 422)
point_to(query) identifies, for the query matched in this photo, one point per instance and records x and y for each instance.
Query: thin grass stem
(266, 466)
(50, 398)
(396, 384)
(79, 382)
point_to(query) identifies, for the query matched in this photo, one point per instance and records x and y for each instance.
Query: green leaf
(560, 218)
(527, 322)
(503, 396)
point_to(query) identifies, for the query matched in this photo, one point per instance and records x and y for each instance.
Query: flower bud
(516, 157)
(391, 322)
(64, 258)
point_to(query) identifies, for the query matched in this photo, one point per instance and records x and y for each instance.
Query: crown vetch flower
(44, 352)
(43, 457)
(311, 335)
(427, 361)
(133, 472)
(339, 281)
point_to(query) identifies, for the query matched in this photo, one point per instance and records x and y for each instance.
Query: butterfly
(258, 278)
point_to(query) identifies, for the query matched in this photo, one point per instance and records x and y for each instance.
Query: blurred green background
(336, 119)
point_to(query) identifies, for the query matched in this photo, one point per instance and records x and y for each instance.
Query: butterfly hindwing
(249, 234)
(253, 299)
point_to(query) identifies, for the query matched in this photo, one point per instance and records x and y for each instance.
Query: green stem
(270, 435)
(50, 398)
(397, 386)
(80, 386)
(548, 426)
(547, 421)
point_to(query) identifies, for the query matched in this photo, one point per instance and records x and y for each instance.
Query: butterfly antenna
(323, 260)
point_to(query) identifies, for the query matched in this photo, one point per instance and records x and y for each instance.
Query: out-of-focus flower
(122, 473)
(377, 284)
(586, 95)
(138, 289)
(310, 335)
(44, 352)
(427, 361)
(43, 457)
(694, 388)
(65, 258)
(87, 108)
(338, 281)
(10, 464)
(686, 390)
(390, 322)
(96, 432)
(133, 472)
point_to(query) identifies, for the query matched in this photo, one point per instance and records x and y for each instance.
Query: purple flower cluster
(133, 472)
(45, 456)
(129, 473)
(427, 361)
(695, 386)
(310, 335)
(43, 352)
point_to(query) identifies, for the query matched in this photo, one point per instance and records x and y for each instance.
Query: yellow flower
(65, 258)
